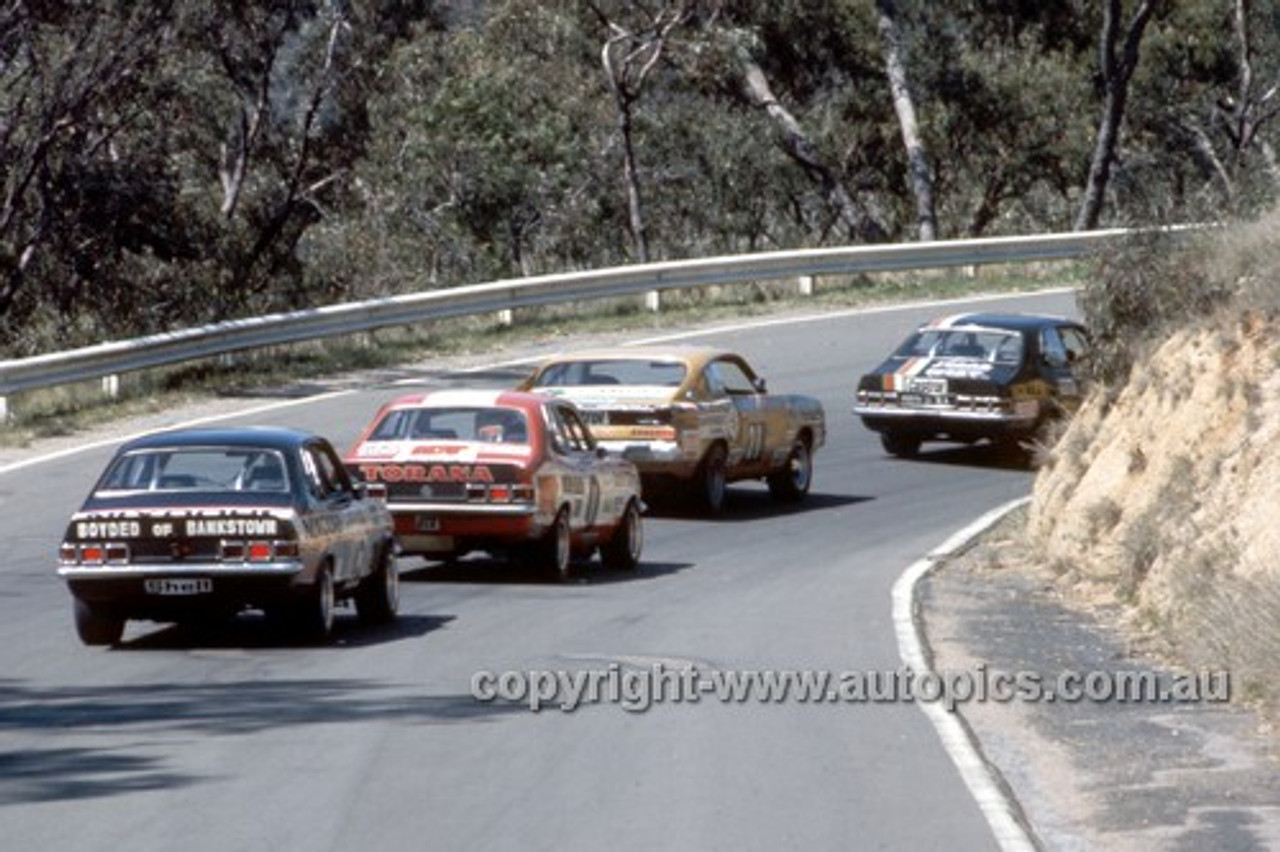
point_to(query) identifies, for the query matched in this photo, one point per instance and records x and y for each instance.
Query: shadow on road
(252, 630)
(160, 713)
(477, 569)
(748, 503)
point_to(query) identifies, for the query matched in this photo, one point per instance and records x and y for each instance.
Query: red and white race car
(501, 472)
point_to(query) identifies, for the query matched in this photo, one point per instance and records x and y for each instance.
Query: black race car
(194, 524)
(975, 376)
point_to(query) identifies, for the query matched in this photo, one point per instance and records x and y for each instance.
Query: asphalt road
(235, 741)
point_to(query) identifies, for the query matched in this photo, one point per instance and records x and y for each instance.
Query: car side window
(325, 475)
(1075, 343)
(1051, 346)
(730, 377)
(569, 435)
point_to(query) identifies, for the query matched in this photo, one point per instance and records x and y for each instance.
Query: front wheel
(623, 550)
(95, 627)
(791, 483)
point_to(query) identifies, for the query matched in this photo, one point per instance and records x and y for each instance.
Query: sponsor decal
(378, 450)
(108, 529)
(425, 473)
(232, 526)
(959, 369)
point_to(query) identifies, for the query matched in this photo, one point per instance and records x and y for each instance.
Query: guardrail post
(4, 410)
(111, 385)
(506, 318)
(806, 285)
(653, 301)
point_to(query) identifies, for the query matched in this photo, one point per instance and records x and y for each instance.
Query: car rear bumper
(128, 589)
(959, 423)
(441, 528)
(655, 457)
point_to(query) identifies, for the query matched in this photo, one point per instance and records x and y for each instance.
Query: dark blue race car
(970, 377)
(203, 523)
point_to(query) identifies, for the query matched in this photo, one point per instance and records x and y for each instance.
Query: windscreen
(992, 345)
(197, 469)
(612, 371)
(491, 425)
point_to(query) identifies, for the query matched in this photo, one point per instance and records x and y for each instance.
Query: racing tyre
(314, 614)
(378, 597)
(791, 483)
(712, 481)
(553, 554)
(897, 444)
(95, 627)
(623, 550)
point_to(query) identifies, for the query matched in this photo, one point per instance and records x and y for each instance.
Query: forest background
(179, 162)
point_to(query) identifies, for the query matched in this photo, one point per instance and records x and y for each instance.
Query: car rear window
(197, 469)
(612, 371)
(994, 345)
(492, 425)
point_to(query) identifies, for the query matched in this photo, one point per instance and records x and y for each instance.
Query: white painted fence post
(806, 285)
(653, 301)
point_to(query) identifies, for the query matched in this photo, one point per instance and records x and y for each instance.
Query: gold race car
(690, 414)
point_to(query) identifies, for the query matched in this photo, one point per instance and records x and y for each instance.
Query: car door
(730, 378)
(1062, 349)
(337, 516)
(574, 449)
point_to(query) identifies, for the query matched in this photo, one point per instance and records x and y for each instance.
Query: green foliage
(185, 161)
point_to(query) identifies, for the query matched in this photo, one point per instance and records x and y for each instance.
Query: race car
(510, 473)
(969, 377)
(203, 523)
(691, 415)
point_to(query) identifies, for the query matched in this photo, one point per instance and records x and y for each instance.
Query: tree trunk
(1116, 73)
(866, 224)
(918, 171)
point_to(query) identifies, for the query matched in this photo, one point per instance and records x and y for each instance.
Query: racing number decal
(754, 444)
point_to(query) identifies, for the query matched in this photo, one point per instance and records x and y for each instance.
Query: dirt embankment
(1166, 498)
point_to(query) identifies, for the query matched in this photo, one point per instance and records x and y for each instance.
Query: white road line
(983, 780)
(848, 312)
(213, 418)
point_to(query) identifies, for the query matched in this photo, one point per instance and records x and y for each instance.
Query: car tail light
(94, 553)
(500, 492)
(257, 551)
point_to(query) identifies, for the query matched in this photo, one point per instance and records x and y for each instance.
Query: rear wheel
(791, 483)
(314, 614)
(623, 550)
(96, 627)
(900, 445)
(553, 554)
(378, 597)
(712, 480)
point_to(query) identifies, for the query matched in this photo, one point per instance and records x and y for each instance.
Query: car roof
(1011, 321)
(471, 398)
(268, 437)
(686, 352)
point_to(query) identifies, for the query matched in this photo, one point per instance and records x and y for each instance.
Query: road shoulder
(1094, 774)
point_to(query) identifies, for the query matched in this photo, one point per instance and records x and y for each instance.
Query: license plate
(912, 399)
(929, 387)
(181, 586)
(426, 523)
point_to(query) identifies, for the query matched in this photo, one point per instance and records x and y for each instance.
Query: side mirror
(601, 452)
(760, 385)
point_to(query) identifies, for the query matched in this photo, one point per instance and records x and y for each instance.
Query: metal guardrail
(112, 359)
